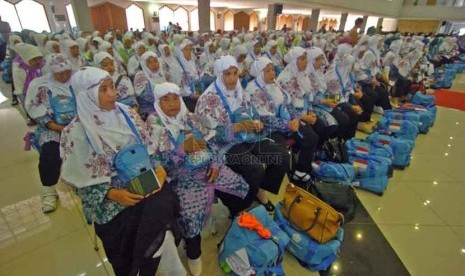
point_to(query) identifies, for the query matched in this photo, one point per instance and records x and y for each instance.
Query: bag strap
(185, 75)
(225, 102)
(118, 81)
(131, 126)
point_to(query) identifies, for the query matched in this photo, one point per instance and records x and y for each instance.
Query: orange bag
(307, 213)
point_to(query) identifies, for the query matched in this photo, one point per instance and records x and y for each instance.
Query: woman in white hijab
(273, 105)
(178, 137)
(146, 80)
(50, 102)
(170, 66)
(223, 49)
(71, 49)
(123, 86)
(255, 52)
(225, 108)
(190, 74)
(207, 58)
(12, 41)
(135, 228)
(134, 61)
(271, 51)
(105, 46)
(40, 40)
(342, 89)
(51, 47)
(240, 54)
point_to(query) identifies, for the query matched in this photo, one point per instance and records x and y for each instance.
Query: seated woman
(145, 82)
(207, 58)
(396, 71)
(134, 61)
(271, 51)
(135, 228)
(294, 79)
(187, 153)
(190, 72)
(341, 88)
(71, 49)
(124, 89)
(50, 102)
(373, 92)
(106, 46)
(273, 104)
(325, 105)
(255, 52)
(225, 108)
(170, 66)
(240, 54)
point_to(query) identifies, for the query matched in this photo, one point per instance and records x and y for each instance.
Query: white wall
(389, 24)
(375, 7)
(432, 12)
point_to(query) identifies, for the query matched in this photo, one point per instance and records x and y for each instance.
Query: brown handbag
(307, 213)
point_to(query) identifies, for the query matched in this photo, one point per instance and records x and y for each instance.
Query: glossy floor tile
(417, 227)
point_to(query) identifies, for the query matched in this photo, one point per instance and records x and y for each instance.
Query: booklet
(146, 183)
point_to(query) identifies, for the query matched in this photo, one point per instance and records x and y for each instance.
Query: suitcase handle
(297, 199)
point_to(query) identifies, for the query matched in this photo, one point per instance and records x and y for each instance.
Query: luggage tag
(394, 127)
(360, 165)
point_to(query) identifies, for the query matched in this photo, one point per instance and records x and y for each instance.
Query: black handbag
(341, 197)
(335, 150)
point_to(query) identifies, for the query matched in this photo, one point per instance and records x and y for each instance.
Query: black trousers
(248, 160)
(50, 163)
(193, 247)
(351, 128)
(402, 86)
(190, 103)
(371, 97)
(2, 52)
(306, 146)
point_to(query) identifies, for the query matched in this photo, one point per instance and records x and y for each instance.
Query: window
(350, 23)
(32, 16)
(389, 24)
(253, 21)
(135, 17)
(72, 20)
(166, 16)
(212, 21)
(8, 14)
(228, 21)
(195, 20)
(372, 21)
(181, 17)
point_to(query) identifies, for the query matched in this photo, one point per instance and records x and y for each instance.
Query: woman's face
(167, 51)
(35, 62)
(141, 50)
(380, 44)
(269, 73)
(211, 48)
(302, 62)
(107, 95)
(62, 77)
(273, 50)
(241, 58)
(108, 65)
(127, 44)
(318, 62)
(56, 48)
(170, 104)
(230, 77)
(256, 48)
(187, 52)
(153, 64)
(74, 50)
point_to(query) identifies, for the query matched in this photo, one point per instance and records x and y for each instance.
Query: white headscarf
(188, 65)
(104, 46)
(173, 124)
(272, 89)
(49, 46)
(11, 40)
(234, 97)
(40, 39)
(27, 52)
(82, 42)
(154, 77)
(302, 76)
(317, 76)
(109, 126)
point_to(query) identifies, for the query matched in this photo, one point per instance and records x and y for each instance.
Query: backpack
(311, 254)
(63, 107)
(401, 148)
(357, 146)
(259, 255)
(333, 172)
(398, 128)
(423, 99)
(372, 173)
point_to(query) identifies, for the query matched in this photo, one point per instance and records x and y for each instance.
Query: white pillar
(271, 18)
(204, 15)
(343, 22)
(82, 15)
(314, 20)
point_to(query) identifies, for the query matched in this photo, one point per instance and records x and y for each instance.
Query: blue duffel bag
(427, 115)
(356, 146)
(398, 114)
(398, 128)
(372, 172)
(333, 172)
(423, 99)
(401, 148)
(311, 254)
(264, 255)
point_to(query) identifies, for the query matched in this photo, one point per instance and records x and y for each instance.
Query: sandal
(300, 180)
(49, 203)
(268, 206)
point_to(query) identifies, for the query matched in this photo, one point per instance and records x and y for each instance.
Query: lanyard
(270, 97)
(177, 142)
(131, 126)
(225, 102)
(344, 87)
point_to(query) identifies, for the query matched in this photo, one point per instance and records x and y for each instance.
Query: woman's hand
(54, 126)
(294, 125)
(124, 197)
(357, 109)
(212, 174)
(248, 126)
(329, 103)
(309, 118)
(193, 145)
(358, 94)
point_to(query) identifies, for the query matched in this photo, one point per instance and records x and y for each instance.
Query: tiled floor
(421, 215)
